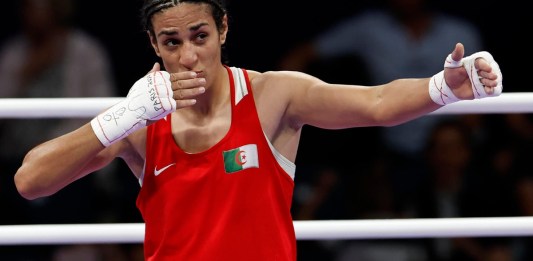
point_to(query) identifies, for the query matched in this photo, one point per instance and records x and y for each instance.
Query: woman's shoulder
(277, 77)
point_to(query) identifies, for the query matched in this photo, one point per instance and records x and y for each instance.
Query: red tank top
(230, 202)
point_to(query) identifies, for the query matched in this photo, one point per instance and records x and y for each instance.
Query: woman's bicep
(335, 106)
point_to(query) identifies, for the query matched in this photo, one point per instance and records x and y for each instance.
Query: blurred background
(456, 166)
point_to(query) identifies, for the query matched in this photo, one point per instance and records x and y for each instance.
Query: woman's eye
(201, 36)
(171, 42)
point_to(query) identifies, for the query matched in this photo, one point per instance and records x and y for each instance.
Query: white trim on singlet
(241, 91)
(240, 84)
(285, 163)
(141, 178)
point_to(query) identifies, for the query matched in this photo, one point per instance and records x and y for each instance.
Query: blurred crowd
(468, 165)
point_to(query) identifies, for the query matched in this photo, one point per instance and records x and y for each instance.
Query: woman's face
(187, 39)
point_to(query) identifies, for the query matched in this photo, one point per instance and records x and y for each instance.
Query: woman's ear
(224, 31)
(153, 42)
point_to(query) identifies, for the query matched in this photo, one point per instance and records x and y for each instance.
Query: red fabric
(194, 210)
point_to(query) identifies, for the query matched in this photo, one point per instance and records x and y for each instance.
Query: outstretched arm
(336, 106)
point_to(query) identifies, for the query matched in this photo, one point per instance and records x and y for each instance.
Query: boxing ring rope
(305, 230)
(88, 107)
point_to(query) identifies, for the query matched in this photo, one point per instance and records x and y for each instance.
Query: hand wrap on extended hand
(441, 93)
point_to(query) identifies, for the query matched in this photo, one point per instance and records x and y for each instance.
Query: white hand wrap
(441, 93)
(150, 98)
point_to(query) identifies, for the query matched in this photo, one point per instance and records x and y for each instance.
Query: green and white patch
(241, 158)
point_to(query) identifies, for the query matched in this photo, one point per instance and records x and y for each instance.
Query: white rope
(54, 107)
(415, 228)
(519, 102)
(305, 230)
(71, 234)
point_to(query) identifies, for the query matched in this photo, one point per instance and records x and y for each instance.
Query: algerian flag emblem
(241, 158)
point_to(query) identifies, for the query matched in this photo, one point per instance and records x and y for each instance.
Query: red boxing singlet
(230, 202)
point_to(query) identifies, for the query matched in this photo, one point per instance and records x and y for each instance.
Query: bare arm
(314, 102)
(337, 106)
(54, 164)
